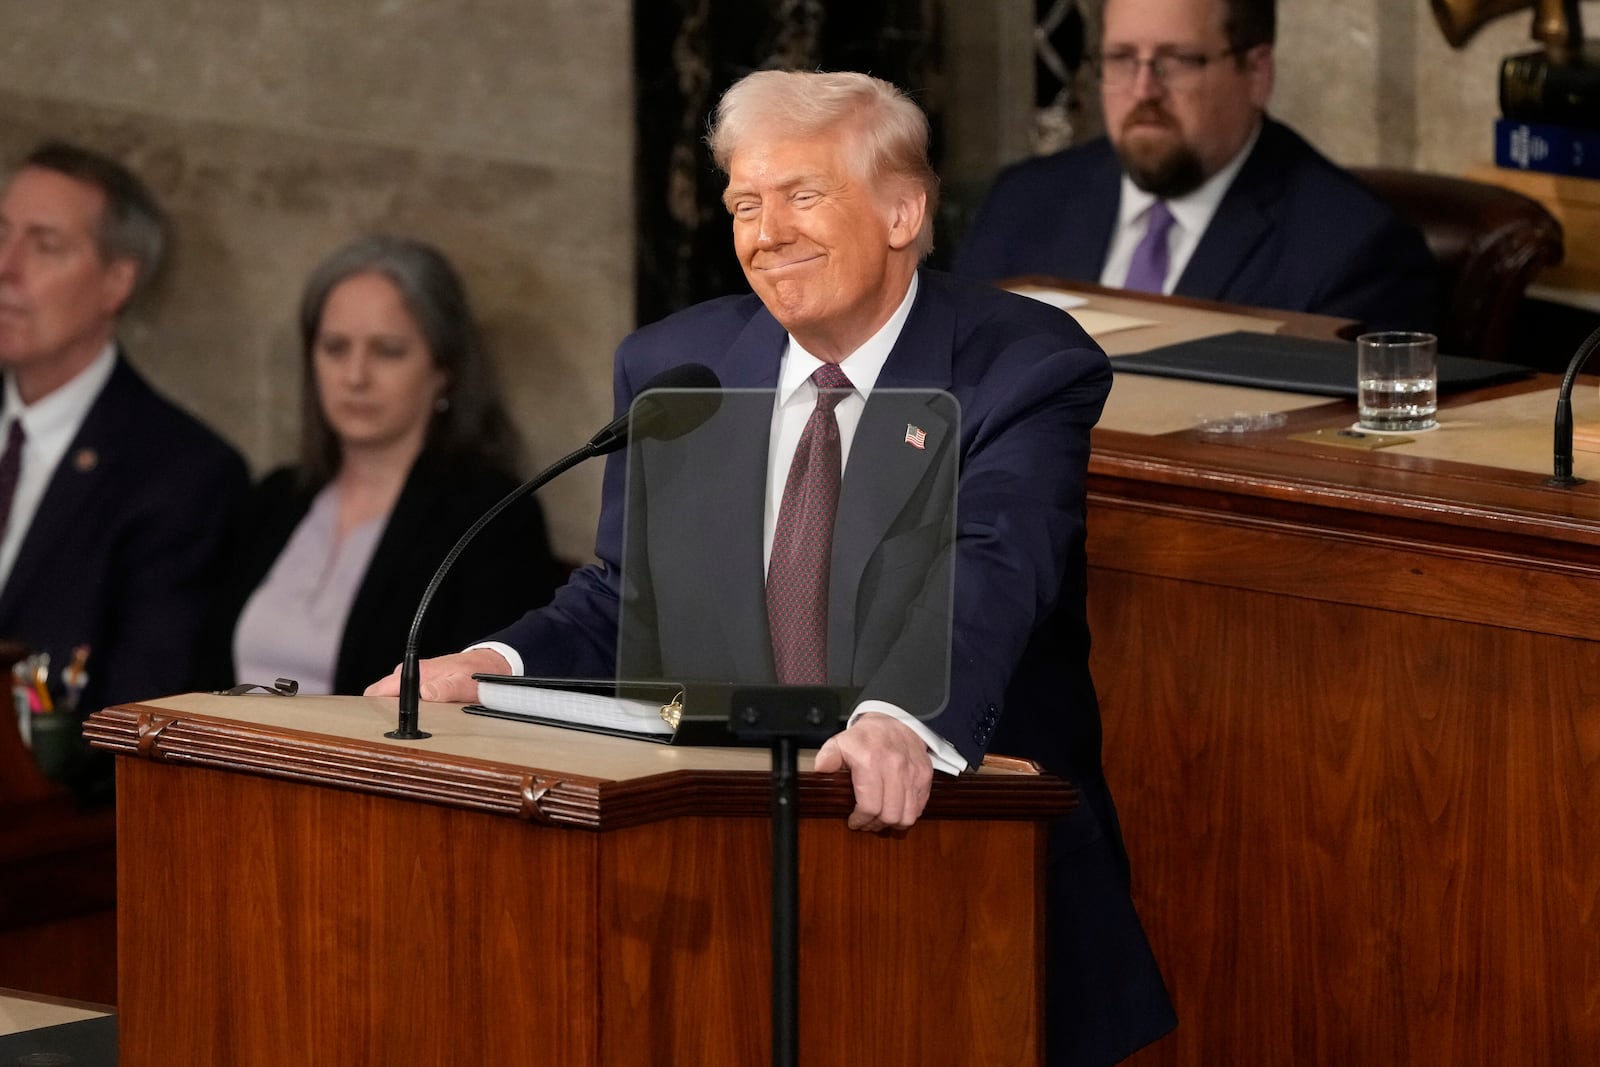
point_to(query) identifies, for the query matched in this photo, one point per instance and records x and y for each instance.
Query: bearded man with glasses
(1196, 191)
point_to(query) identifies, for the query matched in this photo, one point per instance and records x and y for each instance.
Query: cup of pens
(46, 705)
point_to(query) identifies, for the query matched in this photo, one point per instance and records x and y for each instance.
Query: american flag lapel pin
(916, 436)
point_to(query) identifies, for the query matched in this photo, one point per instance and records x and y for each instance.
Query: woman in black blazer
(404, 445)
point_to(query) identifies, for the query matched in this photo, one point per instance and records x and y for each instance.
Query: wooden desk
(46, 1030)
(1352, 721)
(21, 1012)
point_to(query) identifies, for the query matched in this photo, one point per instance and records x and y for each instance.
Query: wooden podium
(295, 888)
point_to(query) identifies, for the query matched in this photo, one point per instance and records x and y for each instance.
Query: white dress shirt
(49, 423)
(796, 396)
(1191, 214)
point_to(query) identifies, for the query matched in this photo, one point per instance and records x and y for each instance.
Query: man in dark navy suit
(1195, 191)
(832, 199)
(112, 500)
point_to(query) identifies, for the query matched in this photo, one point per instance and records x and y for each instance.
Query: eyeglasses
(1170, 70)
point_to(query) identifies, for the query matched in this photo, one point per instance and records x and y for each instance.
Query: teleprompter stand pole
(787, 716)
(785, 905)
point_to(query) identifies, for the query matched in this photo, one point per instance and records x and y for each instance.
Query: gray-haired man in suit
(112, 500)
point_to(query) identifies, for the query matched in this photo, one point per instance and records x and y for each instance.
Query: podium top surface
(541, 773)
(21, 1012)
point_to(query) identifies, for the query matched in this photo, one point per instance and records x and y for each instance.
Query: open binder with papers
(695, 714)
(652, 712)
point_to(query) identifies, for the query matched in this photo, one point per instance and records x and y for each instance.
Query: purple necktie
(802, 543)
(10, 471)
(1147, 271)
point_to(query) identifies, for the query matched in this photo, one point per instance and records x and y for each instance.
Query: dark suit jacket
(1293, 231)
(1030, 385)
(507, 567)
(121, 555)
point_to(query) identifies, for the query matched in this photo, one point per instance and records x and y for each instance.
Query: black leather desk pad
(1294, 364)
(85, 1043)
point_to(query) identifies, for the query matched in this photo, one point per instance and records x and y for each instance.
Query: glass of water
(1397, 376)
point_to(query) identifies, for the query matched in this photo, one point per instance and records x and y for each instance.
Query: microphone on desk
(650, 418)
(1562, 477)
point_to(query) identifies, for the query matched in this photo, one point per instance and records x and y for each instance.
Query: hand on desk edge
(447, 679)
(890, 771)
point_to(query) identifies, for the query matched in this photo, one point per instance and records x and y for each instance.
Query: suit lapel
(1243, 220)
(731, 551)
(77, 480)
(395, 559)
(1082, 247)
(884, 468)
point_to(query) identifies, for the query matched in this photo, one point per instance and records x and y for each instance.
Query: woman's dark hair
(472, 421)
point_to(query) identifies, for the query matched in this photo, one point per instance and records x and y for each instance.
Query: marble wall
(274, 132)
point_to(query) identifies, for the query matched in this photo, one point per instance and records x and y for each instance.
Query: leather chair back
(1488, 242)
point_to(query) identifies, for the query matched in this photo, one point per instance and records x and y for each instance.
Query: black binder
(695, 713)
(1294, 364)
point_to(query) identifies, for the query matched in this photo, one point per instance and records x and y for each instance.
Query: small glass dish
(1240, 422)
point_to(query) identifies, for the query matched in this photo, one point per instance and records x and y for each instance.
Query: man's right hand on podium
(447, 679)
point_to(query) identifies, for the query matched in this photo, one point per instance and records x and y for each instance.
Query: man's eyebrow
(1159, 46)
(35, 229)
(733, 192)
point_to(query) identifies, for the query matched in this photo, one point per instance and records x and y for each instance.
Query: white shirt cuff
(512, 657)
(944, 754)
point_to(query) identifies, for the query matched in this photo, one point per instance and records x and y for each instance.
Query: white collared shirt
(50, 424)
(1191, 214)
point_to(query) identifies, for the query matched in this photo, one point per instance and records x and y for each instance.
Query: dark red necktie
(802, 544)
(10, 471)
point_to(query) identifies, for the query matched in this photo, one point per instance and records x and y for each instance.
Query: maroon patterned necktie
(802, 544)
(10, 471)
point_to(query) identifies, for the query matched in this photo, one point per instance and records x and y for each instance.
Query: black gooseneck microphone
(652, 418)
(1562, 477)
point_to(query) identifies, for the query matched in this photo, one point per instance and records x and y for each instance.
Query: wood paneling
(308, 925)
(893, 970)
(1352, 721)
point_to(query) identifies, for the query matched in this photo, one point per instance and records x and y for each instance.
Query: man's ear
(121, 276)
(907, 210)
(1262, 71)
